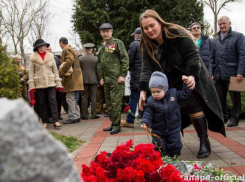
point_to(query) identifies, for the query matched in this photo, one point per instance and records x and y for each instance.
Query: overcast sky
(61, 22)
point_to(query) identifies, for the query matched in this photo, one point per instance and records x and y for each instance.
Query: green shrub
(229, 103)
(9, 77)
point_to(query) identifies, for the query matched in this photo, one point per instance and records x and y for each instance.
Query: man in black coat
(88, 64)
(228, 59)
(135, 64)
(203, 43)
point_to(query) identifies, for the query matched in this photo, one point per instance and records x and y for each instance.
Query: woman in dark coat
(169, 48)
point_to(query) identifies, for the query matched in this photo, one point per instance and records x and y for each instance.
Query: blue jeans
(133, 101)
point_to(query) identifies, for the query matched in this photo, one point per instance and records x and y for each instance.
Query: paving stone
(111, 139)
(124, 140)
(231, 133)
(185, 151)
(235, 162)
(239, 139)
(240, 169)
(111, 144)
(107, 149)
(211, 157)
(227, 155)
(242, 142)
(220, 149)
(188, 157)
(241, 132)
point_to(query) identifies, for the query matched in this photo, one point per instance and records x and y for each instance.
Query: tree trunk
(15, 46)
(22, 51)
(215, 18)
(215, 25)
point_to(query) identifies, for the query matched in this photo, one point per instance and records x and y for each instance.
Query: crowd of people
(178, 77)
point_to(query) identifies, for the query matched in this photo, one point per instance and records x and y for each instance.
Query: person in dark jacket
(203, 43)
(162, 113)
(58, 94)
(135, 64)
(228, 59)
(169, 48)
(89, 66)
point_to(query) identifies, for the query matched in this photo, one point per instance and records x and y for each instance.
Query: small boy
(162, 113)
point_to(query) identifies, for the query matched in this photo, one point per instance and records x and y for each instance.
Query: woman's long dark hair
(166, 27)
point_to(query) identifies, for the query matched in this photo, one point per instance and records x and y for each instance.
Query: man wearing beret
(89, 66)
(114, 63)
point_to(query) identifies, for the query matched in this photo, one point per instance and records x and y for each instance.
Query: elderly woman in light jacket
(44, 80)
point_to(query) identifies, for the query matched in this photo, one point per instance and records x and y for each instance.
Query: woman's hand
(142, 99)
(102, 82)
(189, 81)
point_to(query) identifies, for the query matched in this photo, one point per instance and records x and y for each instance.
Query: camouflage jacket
(113, 60)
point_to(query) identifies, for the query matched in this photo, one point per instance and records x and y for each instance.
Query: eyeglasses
(195, 28)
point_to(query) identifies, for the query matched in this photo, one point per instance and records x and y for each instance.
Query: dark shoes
(200, 124)
(60, 118)
(112, 130)
(96, 117)
(84, 118)
(226, 118)
(50, 120)
(115, 131)
(71, 121)
(232, 123)
(108, 129)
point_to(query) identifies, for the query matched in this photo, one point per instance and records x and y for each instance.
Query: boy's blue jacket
(164, 115)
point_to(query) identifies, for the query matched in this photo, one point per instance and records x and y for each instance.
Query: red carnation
(127, 108)
(32, 102)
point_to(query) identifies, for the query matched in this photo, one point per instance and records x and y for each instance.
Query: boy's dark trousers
(171, 144)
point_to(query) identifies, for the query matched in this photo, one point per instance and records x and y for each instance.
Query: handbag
(69, 72)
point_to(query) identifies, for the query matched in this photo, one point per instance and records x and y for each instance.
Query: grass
(72, 143)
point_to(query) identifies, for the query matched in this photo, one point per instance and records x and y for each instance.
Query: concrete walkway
(228, 153)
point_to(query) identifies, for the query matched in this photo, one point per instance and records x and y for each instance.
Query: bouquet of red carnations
(130, 164)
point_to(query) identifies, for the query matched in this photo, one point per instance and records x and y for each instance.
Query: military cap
(105, 26)
(137, 31)
(88, 45)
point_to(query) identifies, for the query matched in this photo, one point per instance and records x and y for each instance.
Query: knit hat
(159, 80)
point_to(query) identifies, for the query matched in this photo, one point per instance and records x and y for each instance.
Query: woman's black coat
(183, 54)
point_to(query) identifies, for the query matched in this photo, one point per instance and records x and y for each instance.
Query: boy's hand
(144, 126)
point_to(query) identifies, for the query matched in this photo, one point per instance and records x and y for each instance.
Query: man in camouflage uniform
(113, 60)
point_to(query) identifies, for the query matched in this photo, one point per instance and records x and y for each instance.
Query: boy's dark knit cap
(159, 80)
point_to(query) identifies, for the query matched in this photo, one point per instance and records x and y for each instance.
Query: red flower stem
(149, 132)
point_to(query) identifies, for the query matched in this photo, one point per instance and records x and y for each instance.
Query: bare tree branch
(19, 17)
(213, 5)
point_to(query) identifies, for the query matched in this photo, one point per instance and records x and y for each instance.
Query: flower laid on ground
(144, 164)
(130, 164)
(128, 110)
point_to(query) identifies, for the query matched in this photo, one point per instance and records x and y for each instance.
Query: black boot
(200, 125)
